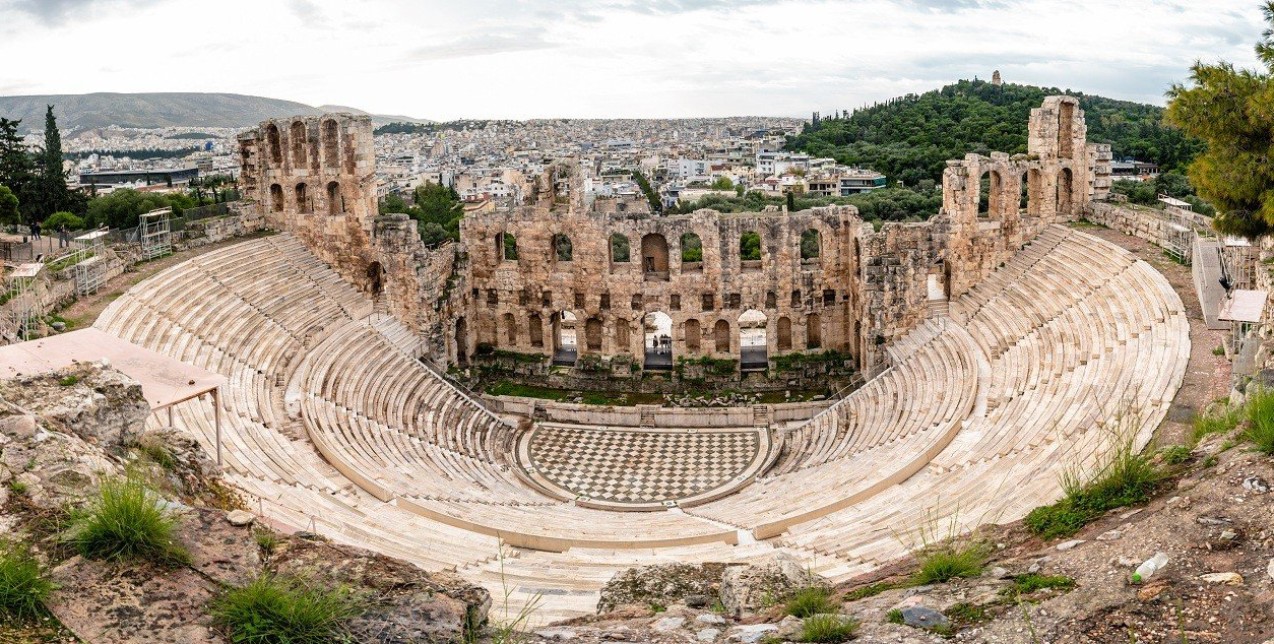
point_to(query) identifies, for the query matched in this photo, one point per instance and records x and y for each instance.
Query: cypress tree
(52, 183)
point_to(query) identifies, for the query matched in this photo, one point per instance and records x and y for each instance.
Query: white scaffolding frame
(154, 232)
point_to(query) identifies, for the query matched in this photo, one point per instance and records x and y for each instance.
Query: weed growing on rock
(810, 601)
(127, 521)
(946, 561)
(1260, 419)
(1031, 582)
(273, 610)
(1127, 478)
(69, 381)
(966, 614)
(894, 616)
(1175, 455)
(23, 586)
(828, 628)
(1222, 418)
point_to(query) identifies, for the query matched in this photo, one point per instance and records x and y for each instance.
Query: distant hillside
(85, 111)
(377, 119)
(910, 138)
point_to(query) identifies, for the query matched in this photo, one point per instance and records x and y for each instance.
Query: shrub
(1260, 419)
(828, 628)
(810, 601)
(954, 558)
(70, 220)
(1126, 479)
(69, 381)
(272, 610)
(126, 521)
(23, 586)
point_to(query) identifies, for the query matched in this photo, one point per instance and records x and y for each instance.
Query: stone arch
(565, 337)
(811, 245)
(693, 336)
(753, 339)
(654, 256)
(535, 327)
(303, 201)
(375, 279)
(691, 253)
(813, 331)
(1065, 192)
(510, 330)
(276, 197)
(593, 334)
(995, 198)
(656, 328)
(785, 334)
(1034, 191)
(620, 250)
(335, 201)
(276, 146)
(750, 248)
(296, 140)
(462, 341)
(331, 144)
(562, 249)
(721, 337)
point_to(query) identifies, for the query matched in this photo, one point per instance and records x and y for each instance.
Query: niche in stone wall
(276, 147)
(1034, 192)
(692, 336)
(535, 327)
(813, 331)
(785, 334)
(335, 202)
(462, 341)
(331, 144)
(721, 337)
(1065, 130)
(1065, 193)
(593, 334)
(276, 197)
(654, 257)
(296, 139)
(510, 330)
(303, 202)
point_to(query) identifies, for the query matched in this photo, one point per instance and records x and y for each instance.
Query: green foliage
(562, 247)
(23, 585)
(620, 251)
(796, 361)
(63, 218)
(437, 210)
(1221, 418)
(894, 616)
(1172, 184)
(713, 366)
(273, 610)
(1229, 109)
(642, 182)
(691, 248)
(723, 183)
(9, 215)
(951, 559)
(126, 521)
(510, 245)
(750, 246)
(895, 203)
(965, 614)
(871, 590)
(69, 381)
(267, 541)
(1031, 582)
(121, 208)
(810, 601)
(811, 244)
(1260, 419)
(1175, 455)
(910, 138)
(828, 628)
(1127, 478)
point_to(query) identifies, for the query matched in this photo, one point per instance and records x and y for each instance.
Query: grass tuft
(894, 616)
(1222, 418)
(1031, 582)
(1175, 455)
(273, 610)
(949, 560)
(23, 586)
(810, 601)
(69, 381)
(828, 628)
(1127, 478)
(127, 521)
(1260, 421)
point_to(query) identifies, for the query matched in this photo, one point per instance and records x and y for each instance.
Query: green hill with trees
(911, 137)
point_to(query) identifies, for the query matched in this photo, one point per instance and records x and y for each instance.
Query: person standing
(64, 236)
(35, 230)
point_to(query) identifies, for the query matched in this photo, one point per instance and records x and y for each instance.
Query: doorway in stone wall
(657, 331)
(753, 345)
(565, 338)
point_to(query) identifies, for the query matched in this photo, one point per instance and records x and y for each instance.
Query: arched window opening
(296, 138)
(510, 330)
(654, 257)
(785, 334)
(1065, 194)
(984, 196)
(593, 334)
(562, 250)
(657, 331)
(995, 199)
(721, 337)
(276, 147)
(565, 347)
(753, 345)
(811, 246)
(335, 200)
(303, 203)
(276, 197)
(1034, 192)
(375, 279)
(462, 342)
(691, 253)
(693, 336)
(331, 144)
(506, 247)
(813, 331)
(535, 327)
(750, 250)
(619, 249)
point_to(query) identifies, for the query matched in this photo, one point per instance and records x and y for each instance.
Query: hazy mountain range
(77, 112)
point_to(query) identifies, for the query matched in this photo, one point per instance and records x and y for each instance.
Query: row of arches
(304, 201)
(301, 155)
(654, 249)
(749, 336)
(996, 198)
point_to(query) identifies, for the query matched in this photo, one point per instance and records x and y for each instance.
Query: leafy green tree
(691, 248)
(1233, 111)
(121, 208)
(811, 246)
(655, 204)
(9, 215)
(63, 218)
(723, 183)
(16, 168)
(750, 246)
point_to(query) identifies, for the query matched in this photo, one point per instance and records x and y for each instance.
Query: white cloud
(539, 58)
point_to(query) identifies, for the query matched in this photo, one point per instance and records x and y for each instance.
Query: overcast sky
(445, 59)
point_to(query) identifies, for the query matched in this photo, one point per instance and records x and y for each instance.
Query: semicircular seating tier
(331, 423)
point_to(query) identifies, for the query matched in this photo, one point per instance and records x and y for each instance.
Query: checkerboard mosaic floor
(640, 467)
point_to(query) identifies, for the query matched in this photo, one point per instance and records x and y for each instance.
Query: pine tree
(16, 167)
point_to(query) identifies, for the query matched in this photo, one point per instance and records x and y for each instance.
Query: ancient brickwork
(518, 303)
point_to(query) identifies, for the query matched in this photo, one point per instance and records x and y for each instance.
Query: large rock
(54, 468)
(747, 589)
(664, 584)
(98, 404)
(402, 602)
(108, 603)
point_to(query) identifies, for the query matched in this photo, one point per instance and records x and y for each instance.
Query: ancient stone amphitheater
(333, 423)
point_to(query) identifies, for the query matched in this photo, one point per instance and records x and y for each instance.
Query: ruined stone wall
(512, 297)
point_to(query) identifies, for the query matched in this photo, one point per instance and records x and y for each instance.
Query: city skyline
(614, 58)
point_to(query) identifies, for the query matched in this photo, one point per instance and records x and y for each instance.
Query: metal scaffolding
(21, 290)
(155, 234)
(90, 265)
